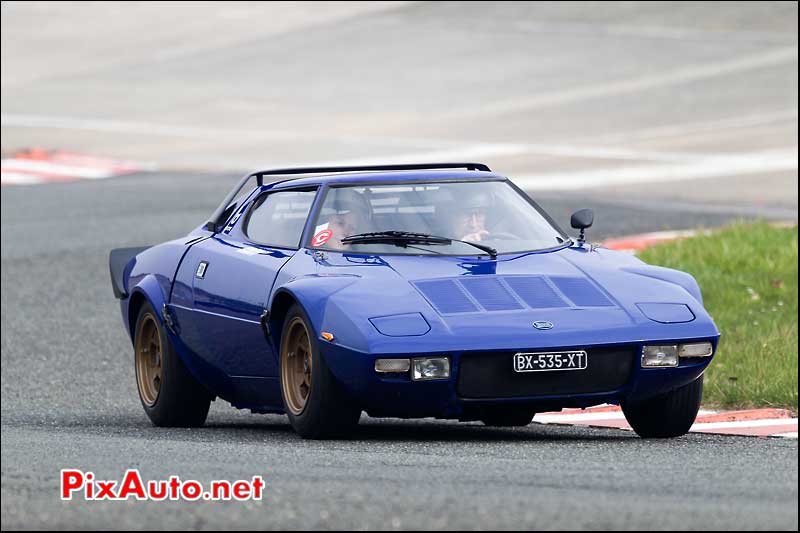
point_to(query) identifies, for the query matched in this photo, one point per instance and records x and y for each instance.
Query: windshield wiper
(404, 238)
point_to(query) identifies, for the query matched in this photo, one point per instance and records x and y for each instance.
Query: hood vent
(490, 293)
(510, 293)
(447, 296)
(535, 292)
(582, 292)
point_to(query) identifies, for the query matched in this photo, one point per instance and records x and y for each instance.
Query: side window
(278, 218)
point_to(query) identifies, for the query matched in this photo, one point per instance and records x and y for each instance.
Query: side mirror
(581, 220)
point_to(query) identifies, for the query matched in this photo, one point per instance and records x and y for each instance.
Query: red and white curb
(637, 243)
(643, 241)
(751, 422)
(36, 166)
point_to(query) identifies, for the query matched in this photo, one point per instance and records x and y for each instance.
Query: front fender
(670, 275)
(318, 295)
(313, 293)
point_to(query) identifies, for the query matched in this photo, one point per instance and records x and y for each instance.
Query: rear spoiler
(118, 259)
(222, 213)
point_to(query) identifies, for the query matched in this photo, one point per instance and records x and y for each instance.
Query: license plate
(545, 361)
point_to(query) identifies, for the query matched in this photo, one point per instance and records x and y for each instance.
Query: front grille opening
(492, 375)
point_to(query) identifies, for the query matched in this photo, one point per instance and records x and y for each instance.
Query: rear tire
(317, 405)
(170, 395)
(507, 417)
(666, 416)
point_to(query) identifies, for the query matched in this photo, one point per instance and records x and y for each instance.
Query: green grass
(748, 275)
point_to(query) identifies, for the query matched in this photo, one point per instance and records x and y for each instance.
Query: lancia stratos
(429, 290)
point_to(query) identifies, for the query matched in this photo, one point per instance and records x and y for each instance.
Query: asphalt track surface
(68, 391)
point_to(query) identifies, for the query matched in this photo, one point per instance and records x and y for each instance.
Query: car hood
(568, 297)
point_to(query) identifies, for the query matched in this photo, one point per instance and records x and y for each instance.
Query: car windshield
(491, 213)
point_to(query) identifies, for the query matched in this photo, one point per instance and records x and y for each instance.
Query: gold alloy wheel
(149, 360)
(296, 361)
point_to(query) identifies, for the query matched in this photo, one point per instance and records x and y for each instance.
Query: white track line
(582, 417)
(14, 178)
(11, 120)
(706, 126)
(589, 416)
(674, 163)
(598, 418)
(709, 167)
(777, 56)
(650, 32)
(744, 424)
(608, 152)
(444, 149)
(476, 151)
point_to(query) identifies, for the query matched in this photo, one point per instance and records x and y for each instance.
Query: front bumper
(484, 378)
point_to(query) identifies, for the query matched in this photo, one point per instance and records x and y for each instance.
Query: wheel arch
(135, 304)
(146, 290)
(281, 303)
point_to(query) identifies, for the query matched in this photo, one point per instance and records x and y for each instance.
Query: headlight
(430, 368)
(697, 349)
(392, 366)
(660, 356)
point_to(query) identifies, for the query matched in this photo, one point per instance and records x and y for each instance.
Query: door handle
(200, 273)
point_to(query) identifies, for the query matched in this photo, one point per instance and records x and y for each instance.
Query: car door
(231, 275)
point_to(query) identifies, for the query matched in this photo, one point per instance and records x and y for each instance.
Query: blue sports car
(436, 290)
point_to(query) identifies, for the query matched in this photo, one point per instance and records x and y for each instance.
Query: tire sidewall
(182, 401)
(330, 411)
(317, 370)
(166, 354)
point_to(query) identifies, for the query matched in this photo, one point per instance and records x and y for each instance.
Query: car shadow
(393, 430)
(245, 429)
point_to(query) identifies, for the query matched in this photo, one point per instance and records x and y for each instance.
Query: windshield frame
(323, 194)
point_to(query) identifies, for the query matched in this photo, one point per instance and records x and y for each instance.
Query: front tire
(170, 395)
(666, 416)
(317, 405)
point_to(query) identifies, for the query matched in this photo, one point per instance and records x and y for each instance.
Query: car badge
(543, 324)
